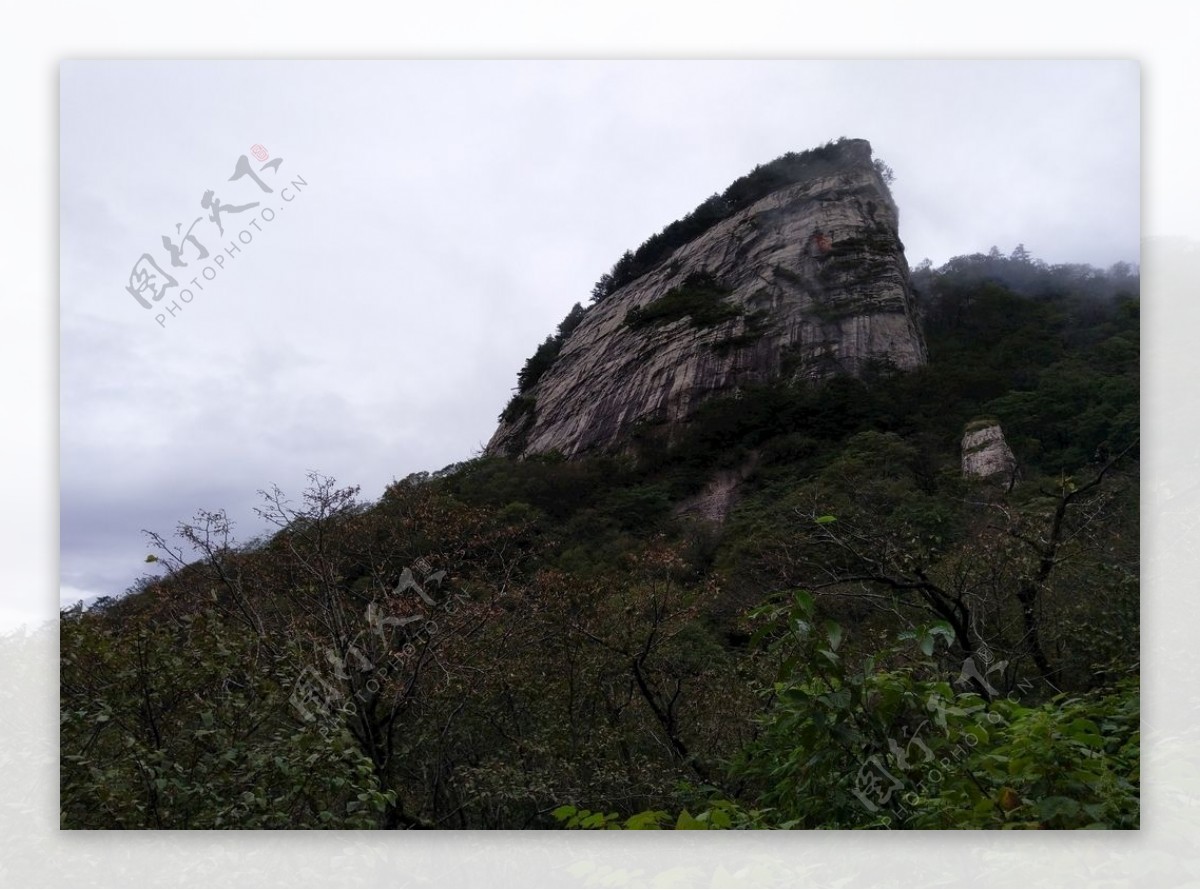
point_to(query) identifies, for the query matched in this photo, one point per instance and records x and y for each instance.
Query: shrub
(701, 298)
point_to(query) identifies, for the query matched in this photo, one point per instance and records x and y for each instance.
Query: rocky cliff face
(985, 452)
(808, 281)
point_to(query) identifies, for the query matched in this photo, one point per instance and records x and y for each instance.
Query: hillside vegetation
(867, 641)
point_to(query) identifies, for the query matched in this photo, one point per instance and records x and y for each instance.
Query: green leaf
(595, 820)
(833, 631)
(686, 822)
(838, 699)
(943, 628)
(1086, 732)
(1052, 807)
(647, 821)
(718, 818)
(825, 520)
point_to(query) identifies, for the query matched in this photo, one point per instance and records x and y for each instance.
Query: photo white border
(1161, 37)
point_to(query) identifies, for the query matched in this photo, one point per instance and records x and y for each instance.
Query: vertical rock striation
(808, 281)
(985, 452)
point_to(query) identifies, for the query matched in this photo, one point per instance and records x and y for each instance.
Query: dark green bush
(701, 298)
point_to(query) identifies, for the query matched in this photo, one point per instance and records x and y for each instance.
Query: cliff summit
(806, 280)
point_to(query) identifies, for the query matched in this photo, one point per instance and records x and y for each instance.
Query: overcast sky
(443, 219)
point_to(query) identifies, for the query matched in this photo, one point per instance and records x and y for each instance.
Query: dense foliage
(868, 640)
(854, 744)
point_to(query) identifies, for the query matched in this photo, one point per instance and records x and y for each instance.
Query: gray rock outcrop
(985, 453)
(813, 281)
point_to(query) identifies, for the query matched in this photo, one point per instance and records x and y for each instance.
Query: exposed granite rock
(815, 283)
(716, 501)
(985, 453)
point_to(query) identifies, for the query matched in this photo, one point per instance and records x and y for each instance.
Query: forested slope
(867, 639)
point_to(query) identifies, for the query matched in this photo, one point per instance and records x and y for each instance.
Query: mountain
(808, 279)
(769, 557)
